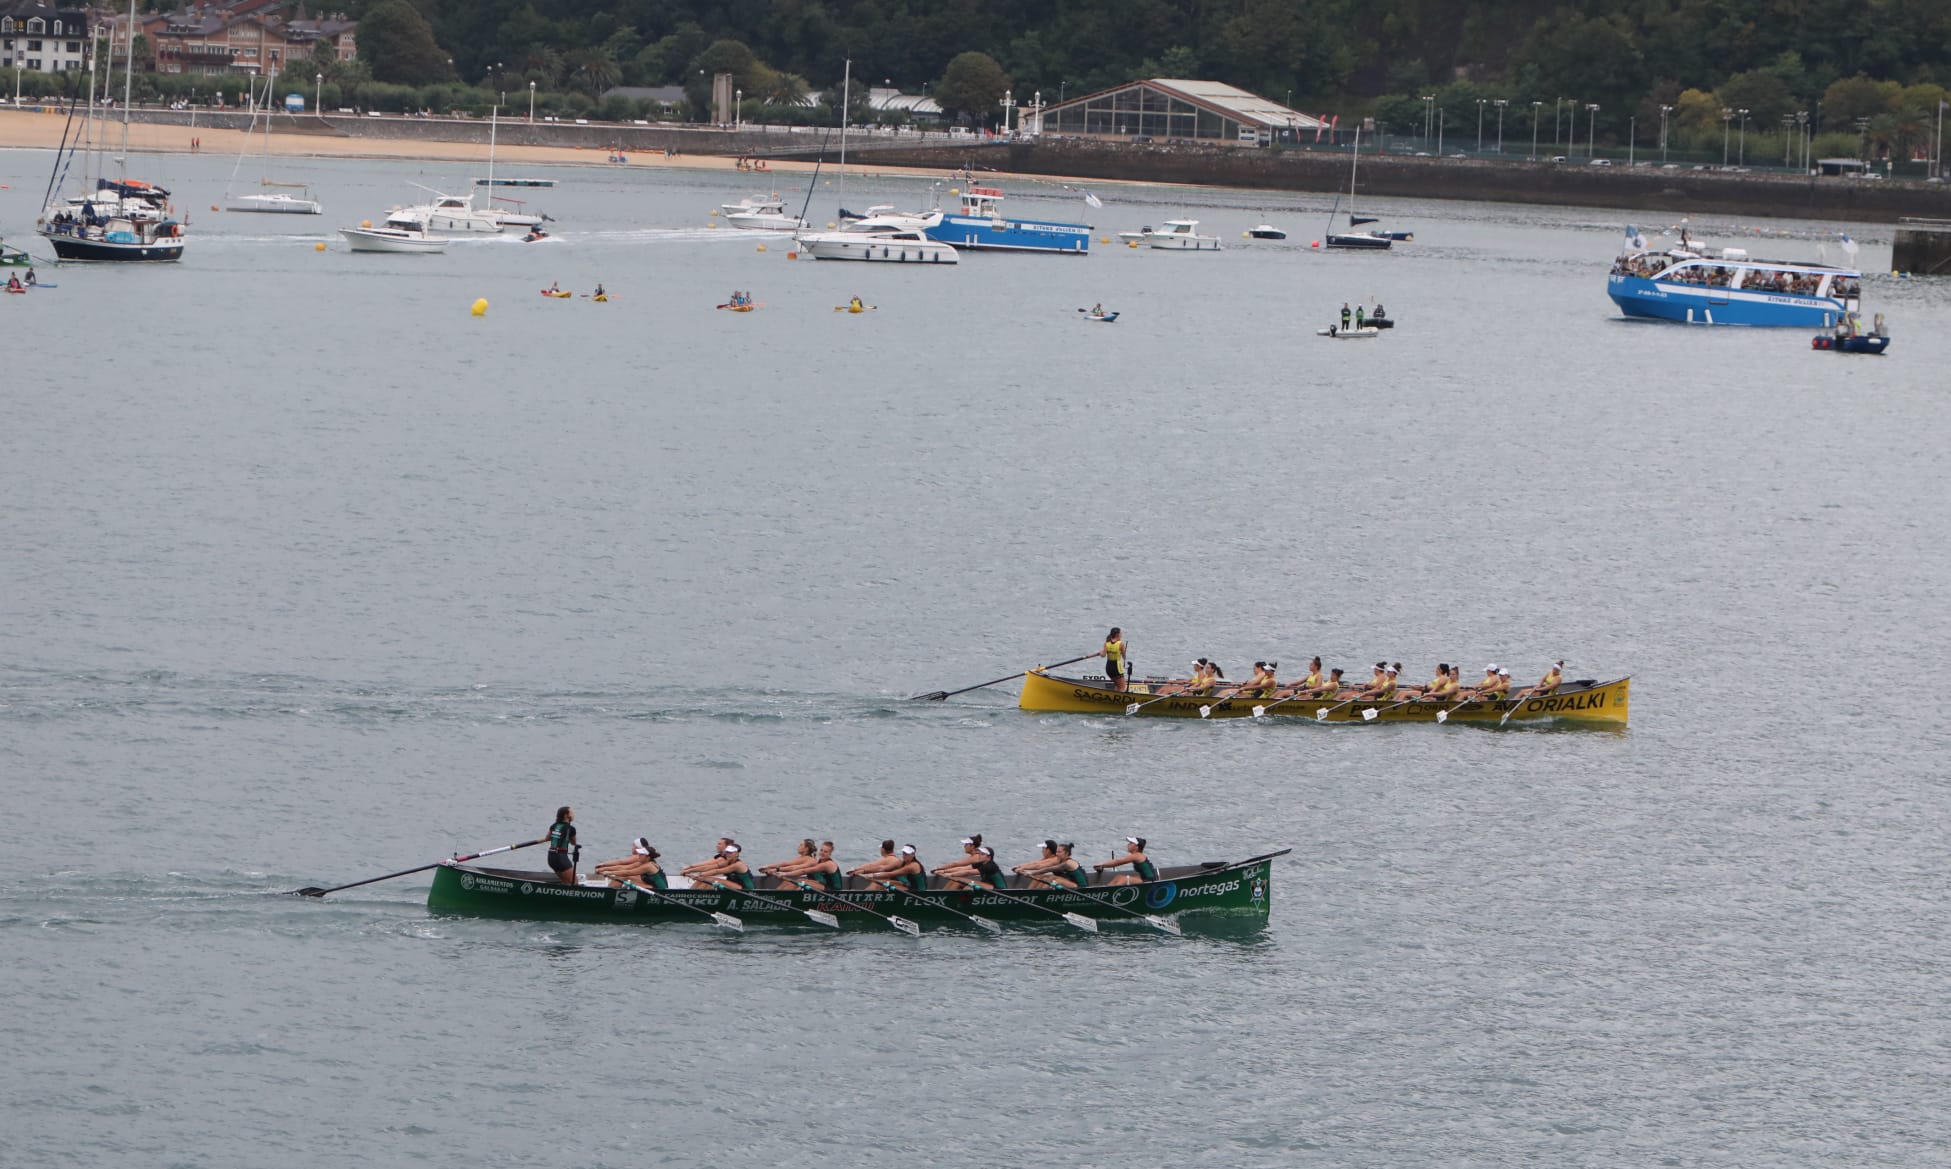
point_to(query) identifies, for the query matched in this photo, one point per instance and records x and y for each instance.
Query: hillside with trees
(1871, 72)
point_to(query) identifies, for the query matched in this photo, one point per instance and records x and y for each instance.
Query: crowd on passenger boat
(813, 869)
(1723, 276)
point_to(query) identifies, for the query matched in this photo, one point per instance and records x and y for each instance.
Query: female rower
(1437, 685)
(988, 874)
(1483, 688)
(717, 864)
(802, 860)
(825, 871)
(1262, 684)
(1307, 685)
(735, 873)
(1037, 868)
(1142, 868)
(1547, 684)
(1113, 653)
(1377, 684)
(1330, 689)
(874, 868)
(966, 866)
(640, 866)
(562, 841)
(907, 874)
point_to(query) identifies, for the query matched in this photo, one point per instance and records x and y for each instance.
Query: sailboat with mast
(120, 219)
(1352, 238)
(882, 235)
(273, 202)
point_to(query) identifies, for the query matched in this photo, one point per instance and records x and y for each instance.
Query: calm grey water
(308, 576)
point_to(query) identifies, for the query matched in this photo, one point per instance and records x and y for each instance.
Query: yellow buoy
(953, 191)
(1131, 243)
(481, 307)
(711, 225)
(829, 225)
(319, 246)
(714, 215)
(365, 223)
(1104, 239)
(762, 247)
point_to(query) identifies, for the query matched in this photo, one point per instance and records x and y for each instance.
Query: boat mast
(1354, 162)
(128, 89)
(494, 115)
(846, 85)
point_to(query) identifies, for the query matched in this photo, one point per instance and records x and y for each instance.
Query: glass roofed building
(1165, 109)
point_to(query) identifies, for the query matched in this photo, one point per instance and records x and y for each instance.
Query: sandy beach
(23, 129)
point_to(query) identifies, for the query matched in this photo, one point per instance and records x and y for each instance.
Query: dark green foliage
(1626, 56)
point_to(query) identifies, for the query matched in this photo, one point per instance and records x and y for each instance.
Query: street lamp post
(1537, 108)
(1937, 152)
(1727, 117)
(1744, 137)
(1429, 117)
(1557, 113)
(1788, 140)
(1441, 117)
(1664, 111)
(1802, 124)
(738, 109)
(1591, 116)
(318, 94)
(1501, 103)
(1009, 100)
(531, 103)
(1481, 102)
(1632, 138)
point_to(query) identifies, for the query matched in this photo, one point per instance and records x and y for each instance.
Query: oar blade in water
(1321, 714)
(992, 926)
(308, 891)
(823, 917)
(931, 696)
(1132, 707)
(1081, 922)
(1259, 712)
(1163, 925)
(1442, 716)
(1205, 712)
(1368, 716)
(904, 925)
(729, 922)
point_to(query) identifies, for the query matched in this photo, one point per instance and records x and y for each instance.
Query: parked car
(1600, 162)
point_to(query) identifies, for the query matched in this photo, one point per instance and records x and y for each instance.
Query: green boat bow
(1235, 892)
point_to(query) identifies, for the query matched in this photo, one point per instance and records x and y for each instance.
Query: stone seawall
(1670, 193)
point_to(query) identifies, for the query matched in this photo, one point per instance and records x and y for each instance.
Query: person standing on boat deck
(735, 872)
(562, 843)
(1381, 314)
(888, 859)
(1142, 868)
(1359, 318)
(1344, 315)
(599, 290)
(1113, 653)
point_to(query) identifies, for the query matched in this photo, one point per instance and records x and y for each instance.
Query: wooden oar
(939, 695)
(900, 923)
(984, 922)
(315, 891)
(819, 915)
(1076, 919)
(1150, 919)
(724, 919)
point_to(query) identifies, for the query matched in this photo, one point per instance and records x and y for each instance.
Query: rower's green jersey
(562, 834)
(917, 881)
(1080, 874)
(657, 880)
(1146, 870)
(992, 874)
(744, 880)
(831, 878)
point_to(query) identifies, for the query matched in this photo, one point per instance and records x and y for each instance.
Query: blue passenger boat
(980, 225)
(1731, 288)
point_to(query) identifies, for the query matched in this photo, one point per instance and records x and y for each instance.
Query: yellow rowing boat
(1577, 702)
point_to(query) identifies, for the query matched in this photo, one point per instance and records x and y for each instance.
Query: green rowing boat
(1218, 891)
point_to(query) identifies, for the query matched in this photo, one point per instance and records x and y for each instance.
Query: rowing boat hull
(1604, 703)
(1239, 892)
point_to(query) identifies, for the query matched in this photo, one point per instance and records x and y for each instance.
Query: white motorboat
(765, 215)
(392, 239)
(276, 204)
(445, 215)
(883, 241)
(1266, 231)
(751, 203)
(1181, 235)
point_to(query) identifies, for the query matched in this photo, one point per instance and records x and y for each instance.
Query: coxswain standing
(1114, 654)
(563, 849)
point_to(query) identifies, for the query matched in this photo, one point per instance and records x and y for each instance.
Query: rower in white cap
(1142, 868)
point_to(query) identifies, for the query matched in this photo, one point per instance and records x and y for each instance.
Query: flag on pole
(1092, 199)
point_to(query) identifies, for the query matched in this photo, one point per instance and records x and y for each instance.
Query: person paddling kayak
(562, 844)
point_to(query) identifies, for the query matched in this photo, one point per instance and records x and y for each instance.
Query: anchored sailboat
(276, 202)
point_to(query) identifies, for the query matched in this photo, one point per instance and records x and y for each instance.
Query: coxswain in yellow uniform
(1547, 684)
(854, 305)
(1113, 653)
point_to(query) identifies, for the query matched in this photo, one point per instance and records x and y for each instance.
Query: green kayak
(1237, 892)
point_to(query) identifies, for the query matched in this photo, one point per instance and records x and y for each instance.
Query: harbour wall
(1666, 193)
(1922, 247)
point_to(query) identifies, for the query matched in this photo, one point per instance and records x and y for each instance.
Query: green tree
(972, 86)
(1764, 95)
(398, 43)
(592, 71)
(1857, 97)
